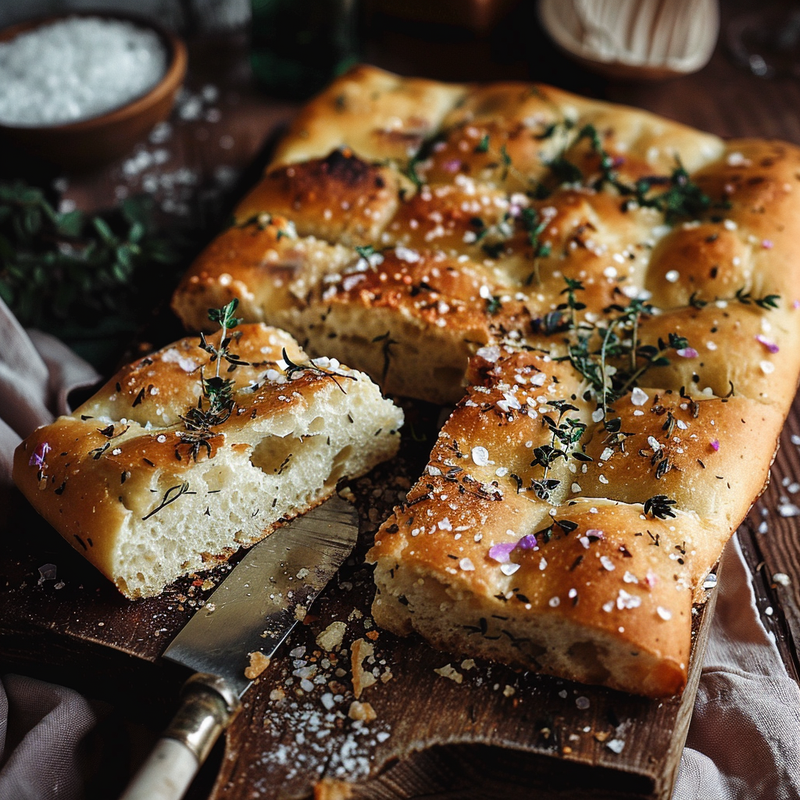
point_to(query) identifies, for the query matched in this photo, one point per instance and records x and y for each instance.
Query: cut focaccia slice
(154, 478)
(540, 538)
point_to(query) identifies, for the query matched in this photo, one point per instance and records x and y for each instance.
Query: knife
(251, 611)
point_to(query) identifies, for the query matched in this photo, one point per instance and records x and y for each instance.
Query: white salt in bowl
(97, 140)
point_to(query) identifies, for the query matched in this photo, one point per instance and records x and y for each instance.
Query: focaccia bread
(404, 224)
(148, 489)
(626, 290)
(584, 564)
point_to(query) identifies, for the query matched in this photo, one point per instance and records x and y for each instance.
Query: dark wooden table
(216, 144)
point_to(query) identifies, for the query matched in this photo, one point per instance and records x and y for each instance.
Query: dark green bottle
(299, 46)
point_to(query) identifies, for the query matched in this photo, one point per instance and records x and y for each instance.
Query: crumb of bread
(331, 789)
(450, 672)
(363, 712)
(331, 637)
(362, 678)
(258, 663)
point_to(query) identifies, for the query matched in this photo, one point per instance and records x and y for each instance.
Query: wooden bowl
(90, 143)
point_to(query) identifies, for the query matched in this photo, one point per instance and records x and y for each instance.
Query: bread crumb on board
(331, 637)
(331, 789)
(362, 678)
(258, 663)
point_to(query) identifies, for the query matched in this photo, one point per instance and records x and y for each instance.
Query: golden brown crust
(586, 569)
(644, 273)
(146, 498)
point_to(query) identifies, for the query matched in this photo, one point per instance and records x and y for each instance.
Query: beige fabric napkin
(37, 373)
(744, 740)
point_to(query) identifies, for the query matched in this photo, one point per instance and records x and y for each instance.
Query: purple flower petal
(715, 444)
(771, 346)
(528, 542)
(687, 352)
(38, 456)
(501, 552)
(767, 244)
(452, 165)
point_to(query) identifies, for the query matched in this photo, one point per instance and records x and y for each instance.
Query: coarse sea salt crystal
(480, 455)
(76, 69)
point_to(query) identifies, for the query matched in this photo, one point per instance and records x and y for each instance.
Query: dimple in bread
(148, 492)
(626, 291)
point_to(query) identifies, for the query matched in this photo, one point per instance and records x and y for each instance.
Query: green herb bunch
(70, 272)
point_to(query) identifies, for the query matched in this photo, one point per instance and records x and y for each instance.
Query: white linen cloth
(744, 739)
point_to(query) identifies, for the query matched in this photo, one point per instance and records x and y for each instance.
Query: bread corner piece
(146, 499)
(587, 570)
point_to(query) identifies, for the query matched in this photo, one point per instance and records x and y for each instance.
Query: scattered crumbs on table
(781, 578)
(616, 745)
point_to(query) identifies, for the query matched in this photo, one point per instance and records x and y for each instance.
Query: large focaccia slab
(625, 289)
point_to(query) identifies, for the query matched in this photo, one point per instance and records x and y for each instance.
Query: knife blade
(251, 612)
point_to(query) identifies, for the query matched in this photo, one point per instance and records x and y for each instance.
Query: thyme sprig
(681, 196)
(294, 370)
(216, 402)
(170, 496)
(768, 302)
(565, 433)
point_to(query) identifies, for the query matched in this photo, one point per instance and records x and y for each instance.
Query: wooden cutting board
(443, 727)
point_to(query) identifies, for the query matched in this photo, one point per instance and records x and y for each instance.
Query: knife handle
(207, 707)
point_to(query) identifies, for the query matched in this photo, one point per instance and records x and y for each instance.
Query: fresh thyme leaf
(770, 301)
(565, 433)
(411, 172)
(365, 251)
(224, 316)
(505, 159)
(483, 145)
(535, 227)
(683, 198)
(493, 304)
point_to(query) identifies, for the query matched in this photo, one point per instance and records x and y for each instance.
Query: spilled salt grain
(616, 745)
